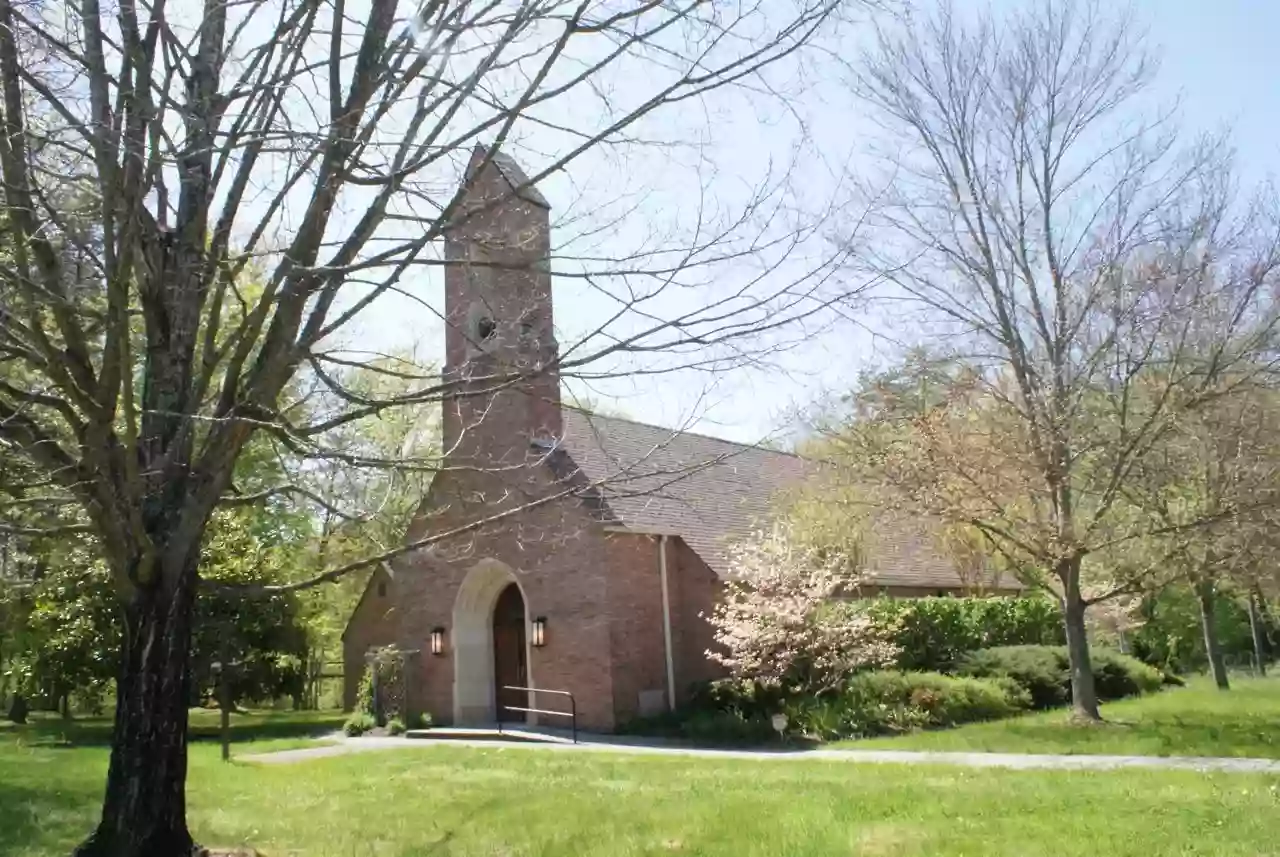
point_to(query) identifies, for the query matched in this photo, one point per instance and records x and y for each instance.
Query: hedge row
(994, 683)
(934, 633)
(1045, 673)
(882, 703)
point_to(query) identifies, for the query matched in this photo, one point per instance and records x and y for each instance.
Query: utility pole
(222, 669)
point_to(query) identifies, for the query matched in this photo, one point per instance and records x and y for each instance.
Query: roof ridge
(508, 168)
(744, 446)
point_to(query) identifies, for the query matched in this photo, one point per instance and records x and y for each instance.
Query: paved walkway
(1017, 761)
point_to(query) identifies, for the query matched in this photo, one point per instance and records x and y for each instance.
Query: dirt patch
(887, 838)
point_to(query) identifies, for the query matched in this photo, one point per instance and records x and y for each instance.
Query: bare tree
(1060, 240)
(199, 198)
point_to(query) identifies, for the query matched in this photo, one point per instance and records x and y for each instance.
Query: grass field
(472, 802)
(1198, 720)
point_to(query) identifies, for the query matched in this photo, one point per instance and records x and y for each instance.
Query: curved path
(342, 745)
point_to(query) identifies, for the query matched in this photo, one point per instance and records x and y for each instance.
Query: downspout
(666, 623)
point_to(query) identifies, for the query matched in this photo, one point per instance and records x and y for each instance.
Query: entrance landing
(521, 733)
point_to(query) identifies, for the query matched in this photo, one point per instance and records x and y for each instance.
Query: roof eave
(640, 531)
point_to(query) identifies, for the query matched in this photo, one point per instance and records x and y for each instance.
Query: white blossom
(779, 622)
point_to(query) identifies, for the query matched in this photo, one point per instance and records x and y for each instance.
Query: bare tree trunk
(1255, 630)
(144, 811)
(1084, 694)
(1207, 598)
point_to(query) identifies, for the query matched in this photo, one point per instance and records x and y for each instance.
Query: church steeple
(498, 314)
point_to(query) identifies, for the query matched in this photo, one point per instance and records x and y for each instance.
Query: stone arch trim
(473, 680)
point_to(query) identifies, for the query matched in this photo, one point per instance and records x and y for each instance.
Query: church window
(486, 328)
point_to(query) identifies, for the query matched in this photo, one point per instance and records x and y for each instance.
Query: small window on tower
(526, 329)
(486, 328)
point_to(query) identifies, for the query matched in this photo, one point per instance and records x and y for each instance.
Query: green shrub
(424, 720)
(1041, 670)
(1045, 673)
(1117, 676)
(894, 701)
(383, 672)
(395, 726)
(872, 703)
(713, 716)
(358, 723)
(665, 724)
(750, 700)
(364, 692)
(825, 719)
(725, 727)
(934, 633)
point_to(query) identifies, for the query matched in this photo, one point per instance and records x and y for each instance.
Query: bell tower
(500, 347)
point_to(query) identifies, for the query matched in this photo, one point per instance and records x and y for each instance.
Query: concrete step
(481, 733)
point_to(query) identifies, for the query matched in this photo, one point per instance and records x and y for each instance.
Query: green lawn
(471, 802)
(1198, 720)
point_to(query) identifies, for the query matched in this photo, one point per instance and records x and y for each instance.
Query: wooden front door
(510, 667)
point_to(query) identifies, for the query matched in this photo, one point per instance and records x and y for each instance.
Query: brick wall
(561, 561)
(372, 624)
(636, 636)
(600, 592)
(695, 592)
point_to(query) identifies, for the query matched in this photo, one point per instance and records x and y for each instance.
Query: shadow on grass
(1170, 734)
(1201, 735)
(49, 801)
(43, 816)
(53, 732)
(262, 727)
(1197, 721)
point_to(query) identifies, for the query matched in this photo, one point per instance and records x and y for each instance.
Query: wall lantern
(437, 641)
(540, 632)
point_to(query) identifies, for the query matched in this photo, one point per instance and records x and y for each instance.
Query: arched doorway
(510, 658)
(490, 644)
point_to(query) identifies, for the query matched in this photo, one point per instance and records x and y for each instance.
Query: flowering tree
(777, 623)
(1114, 618)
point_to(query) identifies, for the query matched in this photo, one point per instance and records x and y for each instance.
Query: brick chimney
(498, 318)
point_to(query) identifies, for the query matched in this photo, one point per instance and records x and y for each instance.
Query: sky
(1219, 62)
(1221, 57)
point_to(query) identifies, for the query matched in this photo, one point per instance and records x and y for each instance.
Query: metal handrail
(572, 713)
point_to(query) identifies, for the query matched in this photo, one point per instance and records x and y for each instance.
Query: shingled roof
(707, 491)
(712, 492)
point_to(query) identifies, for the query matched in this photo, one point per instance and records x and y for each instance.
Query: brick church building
(598, 586)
